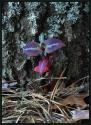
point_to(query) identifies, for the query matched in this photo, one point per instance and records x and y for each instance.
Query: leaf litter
(61, 105)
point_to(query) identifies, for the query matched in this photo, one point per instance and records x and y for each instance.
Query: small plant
(44, 48)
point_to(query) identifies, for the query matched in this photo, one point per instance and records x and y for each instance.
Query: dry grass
(38, 107)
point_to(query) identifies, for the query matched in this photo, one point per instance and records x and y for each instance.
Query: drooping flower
(53, 44)
(32, 49)
(42, 67)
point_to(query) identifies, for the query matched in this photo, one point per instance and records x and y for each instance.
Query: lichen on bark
(22, 21)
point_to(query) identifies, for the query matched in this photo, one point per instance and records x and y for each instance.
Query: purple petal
(42, 65)
(32, 49)
(53, 44)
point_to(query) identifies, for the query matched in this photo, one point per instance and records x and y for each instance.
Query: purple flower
(32, 49)
(42, 67)
(53, 44)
